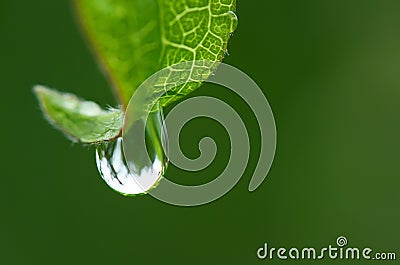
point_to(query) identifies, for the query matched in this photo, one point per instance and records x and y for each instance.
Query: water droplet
(138, 168)
(234, 20)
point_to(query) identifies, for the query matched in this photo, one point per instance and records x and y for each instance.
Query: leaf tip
(39, 90)
(42, 93)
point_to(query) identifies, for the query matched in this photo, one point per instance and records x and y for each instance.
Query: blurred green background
(331, 72)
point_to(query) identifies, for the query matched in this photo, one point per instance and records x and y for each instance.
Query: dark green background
(331, 72)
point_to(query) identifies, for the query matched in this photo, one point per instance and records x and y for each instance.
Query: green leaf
(135, 38)
(80, 120)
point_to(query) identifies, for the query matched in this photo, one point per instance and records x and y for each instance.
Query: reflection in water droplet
(146, 164)
(234, 20)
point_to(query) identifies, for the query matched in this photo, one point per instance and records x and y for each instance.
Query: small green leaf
(80, 120)
(135, 38)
